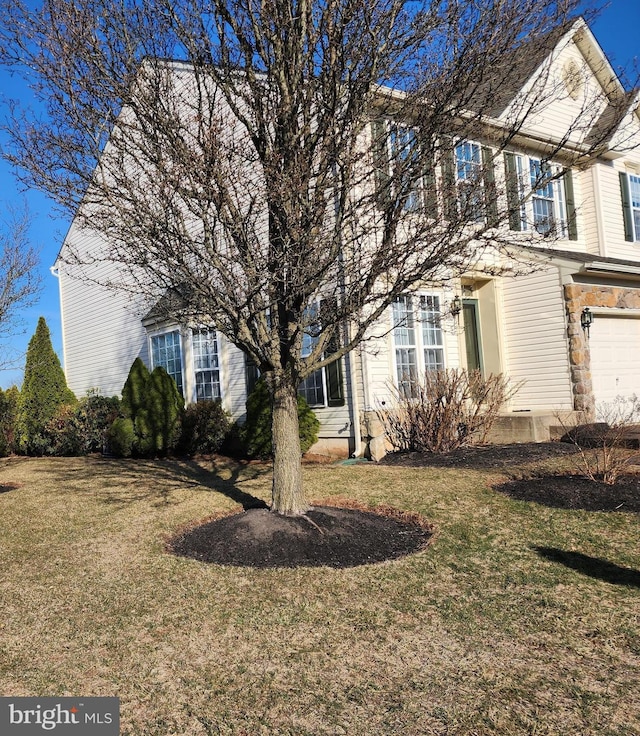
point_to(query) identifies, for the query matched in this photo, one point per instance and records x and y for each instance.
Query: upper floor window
(166, 352)
(417, 338)
(630, 186)
(540, 197)
(469, 179)
(402, 166)
(206, 364)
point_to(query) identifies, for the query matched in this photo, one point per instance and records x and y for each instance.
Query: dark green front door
(471, 320)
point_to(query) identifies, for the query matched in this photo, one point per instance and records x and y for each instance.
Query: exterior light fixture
(586, 319)
(456, 306)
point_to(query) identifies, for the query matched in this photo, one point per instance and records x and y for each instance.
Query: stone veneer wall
(577, 297)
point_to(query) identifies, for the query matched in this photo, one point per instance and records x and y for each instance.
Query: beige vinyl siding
(535, 341)
(589, 209)
(554, 111)
(102, 335)
(615, 244)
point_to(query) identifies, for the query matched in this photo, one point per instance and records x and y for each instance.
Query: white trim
(194, 388)
(166, 331)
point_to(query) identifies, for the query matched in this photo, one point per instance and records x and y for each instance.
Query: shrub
(155, 406)
(44, 390)
(447, 410)
(63, 433)
(256, 432)
(205, 426)
(603, 447)
(8, 420)
(121, 437)
(95, 414)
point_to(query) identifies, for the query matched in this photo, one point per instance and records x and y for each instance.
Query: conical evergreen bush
(44, 390)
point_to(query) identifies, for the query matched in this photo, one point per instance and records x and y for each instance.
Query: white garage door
(615, 357)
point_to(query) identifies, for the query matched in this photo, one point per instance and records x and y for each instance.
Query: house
(575, 239)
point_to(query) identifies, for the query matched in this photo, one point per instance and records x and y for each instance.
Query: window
(324, 387)
(405, 152)
(539, 198)
(399, 167)
(468, 175)
(417, 338)
(206, 364)
(166, 352)
(630, 186)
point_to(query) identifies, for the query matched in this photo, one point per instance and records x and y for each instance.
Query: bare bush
(448, 409)
(603, 447)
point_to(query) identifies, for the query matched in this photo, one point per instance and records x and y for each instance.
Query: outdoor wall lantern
(456, 306)
(586, 319)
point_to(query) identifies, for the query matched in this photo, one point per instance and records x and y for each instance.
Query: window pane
(403, 326)
(434, 359)
(543, 196)
(312, 389)
(430, 318)
(166, 352)
(406, 152)
(206, 365)
(407, 370)
(468, 158)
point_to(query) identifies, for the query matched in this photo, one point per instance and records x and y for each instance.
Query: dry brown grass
(479, 634)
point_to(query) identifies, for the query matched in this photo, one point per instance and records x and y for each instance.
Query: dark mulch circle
(325, 536)
(576, 492)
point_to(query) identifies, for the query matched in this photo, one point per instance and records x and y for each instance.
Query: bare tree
(283, 166)
(20, 282)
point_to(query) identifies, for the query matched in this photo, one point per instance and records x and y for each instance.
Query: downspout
(55, 272)
(355, 404)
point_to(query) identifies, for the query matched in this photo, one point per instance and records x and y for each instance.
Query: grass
(482, 633)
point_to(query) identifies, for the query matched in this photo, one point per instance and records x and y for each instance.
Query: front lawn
(517, 619)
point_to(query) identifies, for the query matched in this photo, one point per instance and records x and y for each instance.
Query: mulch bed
(325, 536)
(483, 457)
(577, 492)
(558, 491)
(348, 535)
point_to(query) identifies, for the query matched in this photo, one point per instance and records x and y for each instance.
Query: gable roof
(494, 95)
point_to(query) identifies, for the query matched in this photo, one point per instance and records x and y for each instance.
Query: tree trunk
(287, 496)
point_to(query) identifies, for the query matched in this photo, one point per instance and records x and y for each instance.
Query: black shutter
(570, 202)
(379, 146)
(513, 191)
(449, 180)
(627, 212)
(488, 174)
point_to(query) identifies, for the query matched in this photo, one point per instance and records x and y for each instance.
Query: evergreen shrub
(8, 420)
(205, 426)
(256, 431)
(121, 437)
(155, 407)
(44, 390)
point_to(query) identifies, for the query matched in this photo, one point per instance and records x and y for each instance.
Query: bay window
(206, 364)
(166, 352)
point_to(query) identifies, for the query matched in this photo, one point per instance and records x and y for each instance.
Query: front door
(471, 321)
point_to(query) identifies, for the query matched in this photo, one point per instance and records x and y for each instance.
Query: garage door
(615, 357)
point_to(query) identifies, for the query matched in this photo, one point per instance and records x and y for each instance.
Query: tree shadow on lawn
(123, 482)
(591, 566)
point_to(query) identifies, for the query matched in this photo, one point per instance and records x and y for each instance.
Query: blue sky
(616, 30)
